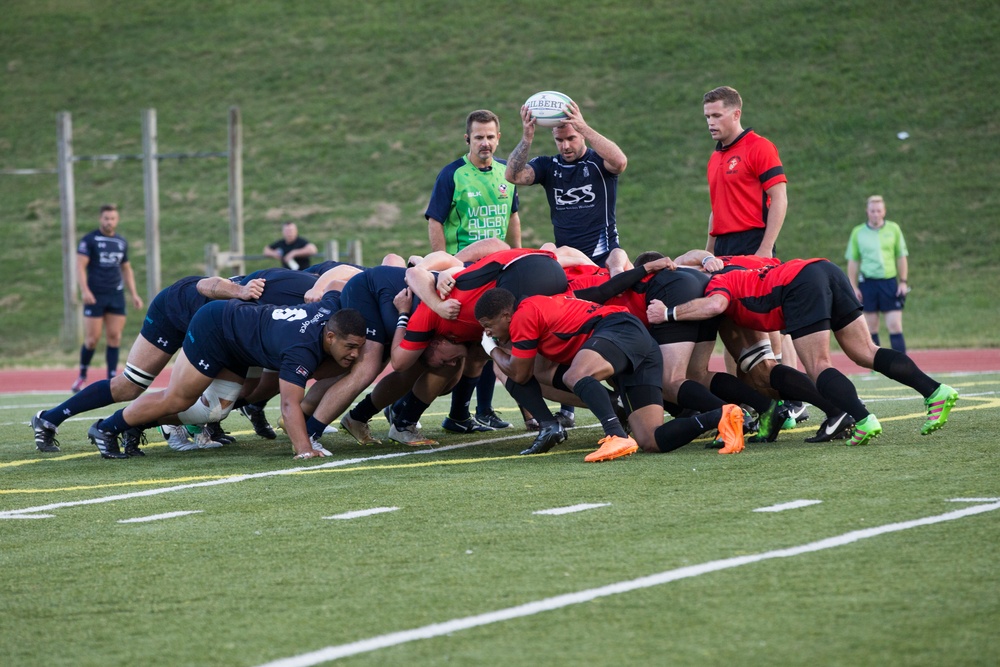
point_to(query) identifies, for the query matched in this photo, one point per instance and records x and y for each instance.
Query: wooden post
(211, 257)
(151, 188)
(236, 187)
(355, 250)
(72, 329)
(333, 250)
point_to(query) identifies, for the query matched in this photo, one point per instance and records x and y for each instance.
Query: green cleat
(770, 422)
(865, 430)
(939, 405)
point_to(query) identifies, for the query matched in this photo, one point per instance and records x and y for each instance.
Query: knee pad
(213, 405)
(138, 377)
(753, 355)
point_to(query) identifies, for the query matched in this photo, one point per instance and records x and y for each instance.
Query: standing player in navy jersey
(103, 270)
(161, 336)
(222, 342)
(580, 183)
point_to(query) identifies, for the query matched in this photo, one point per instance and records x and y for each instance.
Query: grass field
(895, 565)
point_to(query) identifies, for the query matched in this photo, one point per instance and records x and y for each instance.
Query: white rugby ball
(548, 107)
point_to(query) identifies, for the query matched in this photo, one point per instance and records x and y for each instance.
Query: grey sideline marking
(795, 504)
(157, 517)
(572, 508)
(357, 514)
(558, 602)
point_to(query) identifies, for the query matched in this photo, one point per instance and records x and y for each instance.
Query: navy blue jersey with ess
(106, 253)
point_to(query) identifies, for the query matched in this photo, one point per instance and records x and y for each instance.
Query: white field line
(7, 514)
(795, 504)
(357, 514)
(572, 508)
(26, 516)
(157, 517)
(973, 500)
(558, 602)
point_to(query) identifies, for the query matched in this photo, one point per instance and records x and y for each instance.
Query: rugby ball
(548, 107)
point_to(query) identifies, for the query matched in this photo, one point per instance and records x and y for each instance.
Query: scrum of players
(628, 341)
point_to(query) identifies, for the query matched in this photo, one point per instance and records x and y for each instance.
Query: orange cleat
(612, 447)
(731, 429)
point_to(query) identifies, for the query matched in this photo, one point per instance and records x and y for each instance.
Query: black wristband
(671, 314)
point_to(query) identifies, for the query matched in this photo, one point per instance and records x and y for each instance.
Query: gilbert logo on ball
(548, 107)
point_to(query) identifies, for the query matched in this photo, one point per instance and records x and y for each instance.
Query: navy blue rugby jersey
(287, 338)
(282, 287)
(582, 197)
(107, 254)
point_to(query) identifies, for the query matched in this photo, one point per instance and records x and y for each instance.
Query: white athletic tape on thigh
(214, 404)
(753, 355)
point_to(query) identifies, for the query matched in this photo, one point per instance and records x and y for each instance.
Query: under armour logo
(161, 341)
(370, 332)
(203, 364)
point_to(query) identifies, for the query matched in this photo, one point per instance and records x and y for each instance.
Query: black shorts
(205, 344)
(533, 275)
(674, 288)
(740, 243)
(108, 303)
(159, 329)
(819, 298)
(879, 295)
(623, 340)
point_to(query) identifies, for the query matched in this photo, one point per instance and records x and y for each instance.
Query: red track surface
(931, 361)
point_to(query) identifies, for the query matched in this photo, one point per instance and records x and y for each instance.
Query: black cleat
(549, 435)
(45, 434)
(467, 425)
(491, 419)
(216, 434)
(837, 427)
(131, 439)
(259, 420)
(105, 441)
(566, 418)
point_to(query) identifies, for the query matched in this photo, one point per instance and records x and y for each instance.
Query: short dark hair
(728, 96)
(648, 256)
(108, 207)
(347, 322)
(494, 302)
(481, 116)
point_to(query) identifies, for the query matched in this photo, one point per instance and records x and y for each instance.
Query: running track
(931, 361)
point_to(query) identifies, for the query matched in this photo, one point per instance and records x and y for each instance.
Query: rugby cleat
(359, 430)
(548, 437)
(259, 421)
(217, 435)
(837, 427)
(491, 419)
(78, 385)
(865, 430)
(131, 439)
(410, 435)
(939, 405)
(45, 434)
(105, 441)
(566, 418)
(178, 438)
(467, 425)
(612, 447)
(770, 422)
(731, 429)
